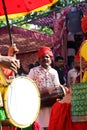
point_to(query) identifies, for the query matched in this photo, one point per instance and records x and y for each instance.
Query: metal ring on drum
(22, 102)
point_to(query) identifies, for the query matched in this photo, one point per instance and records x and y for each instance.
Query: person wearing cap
(45, 77)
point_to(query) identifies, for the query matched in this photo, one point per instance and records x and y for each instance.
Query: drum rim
(6, 107)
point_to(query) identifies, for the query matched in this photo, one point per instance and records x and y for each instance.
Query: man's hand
(9, 62)
(13, 50)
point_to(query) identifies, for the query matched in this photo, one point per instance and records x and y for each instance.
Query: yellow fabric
(83, 50)
(84, 77)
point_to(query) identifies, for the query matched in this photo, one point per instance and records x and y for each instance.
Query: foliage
(45, 30)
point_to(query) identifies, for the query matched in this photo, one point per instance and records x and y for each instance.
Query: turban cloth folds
(44, 50)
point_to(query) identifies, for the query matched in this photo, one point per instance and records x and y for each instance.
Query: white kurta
(44, 78)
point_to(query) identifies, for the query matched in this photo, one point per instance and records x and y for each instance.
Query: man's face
(59, 63)
(45, 61)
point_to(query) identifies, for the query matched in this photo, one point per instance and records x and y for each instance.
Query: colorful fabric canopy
(22, 7)
(43, 21)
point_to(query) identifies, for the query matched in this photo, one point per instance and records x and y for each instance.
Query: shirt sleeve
(56, 79)
(31, 74)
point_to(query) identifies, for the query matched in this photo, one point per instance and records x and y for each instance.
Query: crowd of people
(61, 117)
(47, 79)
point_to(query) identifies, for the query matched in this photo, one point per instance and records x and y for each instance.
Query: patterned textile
(33, 34)
(82, 7)
(44, 21)
(44, 78)
(79, 102)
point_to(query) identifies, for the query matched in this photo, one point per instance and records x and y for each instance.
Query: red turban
(45, 50)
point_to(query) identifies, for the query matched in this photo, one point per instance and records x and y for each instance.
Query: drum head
(22, 102)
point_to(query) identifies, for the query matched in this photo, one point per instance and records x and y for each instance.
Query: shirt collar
(41, 68)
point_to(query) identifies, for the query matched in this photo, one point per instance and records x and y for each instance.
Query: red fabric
(60, 118)
(44, 50)
(7, 72)
(78, 78)
(77, 57)
(19, 6)
(8, 128)
(36, 126)
(84, 24)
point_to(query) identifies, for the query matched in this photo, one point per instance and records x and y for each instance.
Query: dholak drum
(48, 99)
(21, 102)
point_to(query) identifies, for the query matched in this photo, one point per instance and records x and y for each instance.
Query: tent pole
(8, 25)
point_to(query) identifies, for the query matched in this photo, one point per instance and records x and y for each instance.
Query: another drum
(22, 102)
(48, 99)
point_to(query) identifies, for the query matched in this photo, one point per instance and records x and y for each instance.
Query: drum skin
(21, 102)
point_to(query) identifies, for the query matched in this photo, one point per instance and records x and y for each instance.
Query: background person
(59, 66)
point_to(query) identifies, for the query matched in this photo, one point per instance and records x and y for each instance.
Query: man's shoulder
(71, 70)
(53, 70)
(56, 68)
(35, 68)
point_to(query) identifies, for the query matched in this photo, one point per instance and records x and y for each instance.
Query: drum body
(48, 99)
(21, 102)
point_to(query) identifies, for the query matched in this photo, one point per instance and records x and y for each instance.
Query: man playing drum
(9, 65)
(46, 79)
